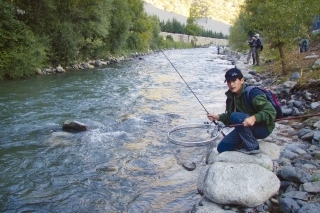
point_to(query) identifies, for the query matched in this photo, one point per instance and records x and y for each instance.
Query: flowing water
(124, 162)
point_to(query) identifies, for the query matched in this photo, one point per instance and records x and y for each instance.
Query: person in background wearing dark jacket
(252, 52)
(256, 123)
(304, 45)
(258, 49)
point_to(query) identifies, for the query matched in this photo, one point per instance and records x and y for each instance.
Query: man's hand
(250, 121)
(213, 117)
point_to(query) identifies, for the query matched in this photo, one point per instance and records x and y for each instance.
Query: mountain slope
(208, 24)
(224, 11)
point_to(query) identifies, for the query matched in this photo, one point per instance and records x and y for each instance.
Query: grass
(296, 62)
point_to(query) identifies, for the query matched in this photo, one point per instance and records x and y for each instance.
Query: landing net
(194, 134)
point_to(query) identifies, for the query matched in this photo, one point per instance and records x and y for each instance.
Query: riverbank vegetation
(281, 24)
(192, 28)
(38, 33)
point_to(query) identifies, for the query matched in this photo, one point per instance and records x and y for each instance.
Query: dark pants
(241, 134)
(252, 53)
(258, 49)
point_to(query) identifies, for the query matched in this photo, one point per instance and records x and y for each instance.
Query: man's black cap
(232, 74)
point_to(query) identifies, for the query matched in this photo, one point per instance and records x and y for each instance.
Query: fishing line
(213, 121)
(185, 82)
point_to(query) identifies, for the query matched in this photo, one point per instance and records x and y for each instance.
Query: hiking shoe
(249, 152)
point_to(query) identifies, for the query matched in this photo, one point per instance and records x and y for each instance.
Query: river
(124, 162)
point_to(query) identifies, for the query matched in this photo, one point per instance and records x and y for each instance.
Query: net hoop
(194, 143)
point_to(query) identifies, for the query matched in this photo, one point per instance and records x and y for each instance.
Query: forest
(38, 33)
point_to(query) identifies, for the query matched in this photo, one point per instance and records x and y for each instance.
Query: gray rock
(285, 162)
(304, 131)
(71, 126)
(294, 76)
(303, 161)
(189, 166)
(294, 174)
(238, 157)
(310, 122)
(289, 154)
(313, 187)
(316, 64)
(314, 105)
(286, 111)
(270, 149)
(288, 205)
(316, 136)
(310, 208)
(208, 206)
(317, 125)
(247, 185)
(308, 136)
(289, 84)
(297, 195)
(297, 125)
(306, 95)
(297, 104)
(296, 111)
(59, 69)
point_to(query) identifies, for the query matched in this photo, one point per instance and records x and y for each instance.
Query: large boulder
(238, 157)
(242, 184)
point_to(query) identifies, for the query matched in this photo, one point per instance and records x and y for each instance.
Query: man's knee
(221, 148)
(237, 117)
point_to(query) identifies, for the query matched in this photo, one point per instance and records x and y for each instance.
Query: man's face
(236, 85)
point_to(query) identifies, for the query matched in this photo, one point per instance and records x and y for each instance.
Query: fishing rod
(189, 88)
(284, 118)
(185, 82)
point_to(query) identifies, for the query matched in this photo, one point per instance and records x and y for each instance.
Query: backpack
(250, 92)
(260, 44)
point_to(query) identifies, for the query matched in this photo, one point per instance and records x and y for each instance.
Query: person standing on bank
(259, 47)
(257, 123)
(252, 52)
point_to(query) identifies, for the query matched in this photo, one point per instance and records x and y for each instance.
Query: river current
(124, 162)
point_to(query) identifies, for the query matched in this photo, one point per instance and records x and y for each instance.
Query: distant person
(259, 47)
(304, 45)
(218, 48)
(252, 43)
(255, 123)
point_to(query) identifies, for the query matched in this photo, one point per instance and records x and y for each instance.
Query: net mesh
(194, 134)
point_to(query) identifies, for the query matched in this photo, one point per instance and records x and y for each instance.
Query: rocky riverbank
(90, 64)
(285, 176)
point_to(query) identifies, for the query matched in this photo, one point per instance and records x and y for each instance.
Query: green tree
(76, 28)
(239, 33)
(168, 27)
(281, 21)
(21, 51)
(155, 29)
(142, 28)
(120, 27)
(177, 26)
(192, 28)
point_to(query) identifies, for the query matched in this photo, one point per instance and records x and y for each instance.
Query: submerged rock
(73, 126)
